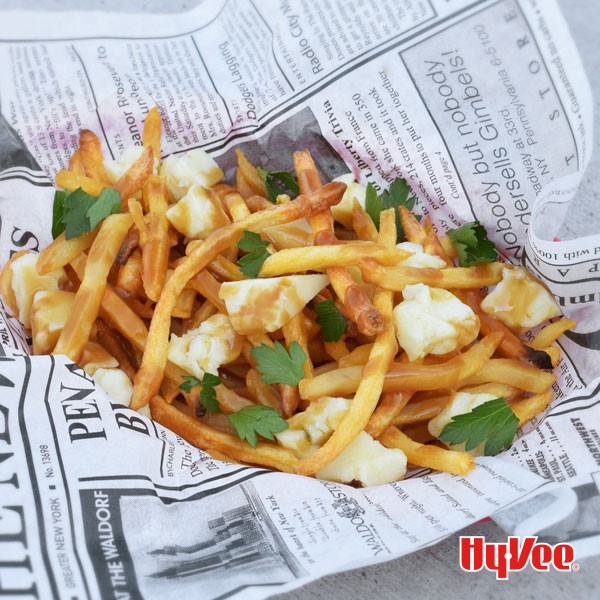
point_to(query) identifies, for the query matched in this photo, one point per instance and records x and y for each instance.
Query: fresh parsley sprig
(78, 212)
(331, 320)
(472, 245)
(208, 396)
(256, 248)
(257, 419)
(398, 194)
(189, 383)
(285, 178)
(278, 365)
(493, 422)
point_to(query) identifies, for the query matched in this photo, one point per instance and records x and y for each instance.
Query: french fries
(139, 287)
(292, 260)
(86, 307)
(459, 278)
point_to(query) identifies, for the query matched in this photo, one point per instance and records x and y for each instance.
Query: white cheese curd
(460, 404)
(198, 213)
(183, 171)
(115, 169)
(48, 315)
(312, 428)
(116, 384)
(256, 305)
(26, 282)
(342, 212)
(368, 461)
(419, 258)
(364, 460)
(206, 348)
(520, 301)
(432, 321)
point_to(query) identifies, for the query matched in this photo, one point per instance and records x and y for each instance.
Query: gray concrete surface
(434, 572)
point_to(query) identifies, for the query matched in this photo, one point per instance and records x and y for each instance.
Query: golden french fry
(70, 181)
(387, 410)
(362, 223)
(432, 245)
(242, 185)
(250, 174)
(512, 372)
(135, 177)
(90, 149)
(225, 270)
(413, 230)
(236, 206)
(151, 135)
(448, 247)
(256, 203)
(204, 436)
(185, 304)
(86, 307)
(221, 456)
(205, 311)
(150, 375)
(229, 400)
(431, 457)
(262, 391)
(460, 278)
(129, 277)
(527, 408)
(137, 214)
(549, 334)
(293, 331)
(76, 163)
(156, 246)
(356, 302)
(337, 350)
(358, 356)
(62, 251)
(290, 399)
(115, 311)
(130, 243)
(295, 260)
(206, 285)
(421, 410)
(463, 369)
(110, 341)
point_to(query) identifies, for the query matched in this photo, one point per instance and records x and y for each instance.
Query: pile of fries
(125, 290)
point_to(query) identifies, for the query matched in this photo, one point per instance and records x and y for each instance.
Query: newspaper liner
(483, 106)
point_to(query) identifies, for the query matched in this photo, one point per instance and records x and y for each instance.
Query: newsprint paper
(482, 105)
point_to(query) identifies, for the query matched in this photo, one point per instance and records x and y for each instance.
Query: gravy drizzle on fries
(349, 354)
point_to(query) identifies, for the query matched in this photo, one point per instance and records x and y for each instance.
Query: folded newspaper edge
(483, 107)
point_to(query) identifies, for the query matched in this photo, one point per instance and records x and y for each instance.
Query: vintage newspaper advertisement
(481, 105)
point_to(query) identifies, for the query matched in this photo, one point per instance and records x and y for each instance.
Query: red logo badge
(515, 555)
